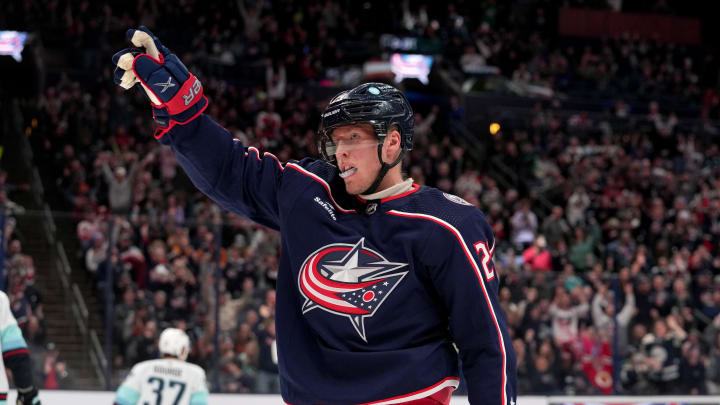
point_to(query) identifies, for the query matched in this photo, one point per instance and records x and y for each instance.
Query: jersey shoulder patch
(456, 199)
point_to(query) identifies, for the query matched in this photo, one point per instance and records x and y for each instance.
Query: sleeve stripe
(11, 338)
(257, 152)
(126, 396)
(475, 267)
(15, 352)
(199, 398)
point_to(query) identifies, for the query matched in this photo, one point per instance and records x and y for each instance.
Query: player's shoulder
(444, 206)
(199, 371)
(4, 298)
(150, 363)
(139, 369)
(449, 215)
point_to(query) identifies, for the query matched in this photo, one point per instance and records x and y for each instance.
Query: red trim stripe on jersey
(414, 188)
(482, 284)
(3, 396)
(423, 393)
(15, 352)
(323, 183)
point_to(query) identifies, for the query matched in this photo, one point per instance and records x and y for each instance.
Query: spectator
(663, 350)
(49, 365)
(581, 254)
(542, 377)
(268, 381)
(275, 82)
(525, 224)
(692, 372)
(229, 309)
(605, 318)
(578, 202)
(267, 125)
(555, 228)
(120, 184)
(97, 253)
(566, 315)
(145, 344)
(537, 257)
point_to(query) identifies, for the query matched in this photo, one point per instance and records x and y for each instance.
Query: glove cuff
(167, 121)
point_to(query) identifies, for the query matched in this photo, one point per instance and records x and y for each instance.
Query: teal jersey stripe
(126, 396)
(199, 398)
(11, 338)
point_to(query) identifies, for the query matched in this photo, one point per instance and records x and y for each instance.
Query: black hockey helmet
(378, 104)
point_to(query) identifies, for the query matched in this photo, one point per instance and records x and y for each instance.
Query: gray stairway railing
(72, 294)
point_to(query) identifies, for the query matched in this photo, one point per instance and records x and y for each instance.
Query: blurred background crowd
(608, 227)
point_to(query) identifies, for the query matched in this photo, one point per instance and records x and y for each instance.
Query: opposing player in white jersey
(166, 381)
(16, 357)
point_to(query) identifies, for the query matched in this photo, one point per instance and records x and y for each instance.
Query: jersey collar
(407, 190)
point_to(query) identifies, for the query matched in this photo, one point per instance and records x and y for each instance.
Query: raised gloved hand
(176, 94)
(28, 396)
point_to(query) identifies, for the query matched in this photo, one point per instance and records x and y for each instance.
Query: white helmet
(174, 342)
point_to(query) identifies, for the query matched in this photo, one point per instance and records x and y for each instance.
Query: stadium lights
(12, 43)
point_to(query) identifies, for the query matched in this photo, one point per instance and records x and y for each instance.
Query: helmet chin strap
(384, 168)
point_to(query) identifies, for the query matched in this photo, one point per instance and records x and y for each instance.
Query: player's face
(357, 156)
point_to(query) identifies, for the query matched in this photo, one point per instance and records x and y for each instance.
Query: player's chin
(353, 188)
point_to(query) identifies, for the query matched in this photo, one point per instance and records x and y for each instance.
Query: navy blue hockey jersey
(371, 295)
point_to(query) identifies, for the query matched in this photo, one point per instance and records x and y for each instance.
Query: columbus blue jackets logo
(348, 280)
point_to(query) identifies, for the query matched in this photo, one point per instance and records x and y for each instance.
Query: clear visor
(332, 143)
(332, 147)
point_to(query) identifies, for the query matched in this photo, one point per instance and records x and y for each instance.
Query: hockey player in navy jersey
(380, 279)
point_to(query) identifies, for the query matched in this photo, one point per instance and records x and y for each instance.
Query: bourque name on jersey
(168, 370)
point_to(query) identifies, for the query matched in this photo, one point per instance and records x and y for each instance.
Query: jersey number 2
(485, 256)
(159, 390)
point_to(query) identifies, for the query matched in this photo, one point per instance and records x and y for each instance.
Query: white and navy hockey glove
(176, 94)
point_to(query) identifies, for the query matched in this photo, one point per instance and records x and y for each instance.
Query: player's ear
(392, 144)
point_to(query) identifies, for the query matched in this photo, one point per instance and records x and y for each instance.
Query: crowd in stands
(618, 273)
(634, 234)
